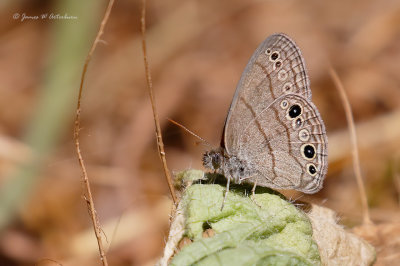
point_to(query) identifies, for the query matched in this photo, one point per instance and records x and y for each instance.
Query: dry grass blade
(88, 197)
(353, 137)
(160, 144)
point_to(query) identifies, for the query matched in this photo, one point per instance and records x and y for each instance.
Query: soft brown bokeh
(197, 51)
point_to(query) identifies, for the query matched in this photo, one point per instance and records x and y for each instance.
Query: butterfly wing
(272, 123)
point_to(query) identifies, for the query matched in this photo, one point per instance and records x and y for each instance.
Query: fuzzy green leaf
(264, 230)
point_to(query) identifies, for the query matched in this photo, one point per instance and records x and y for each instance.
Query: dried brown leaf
(336, 245)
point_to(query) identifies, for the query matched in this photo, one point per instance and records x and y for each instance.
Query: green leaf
(264, 230)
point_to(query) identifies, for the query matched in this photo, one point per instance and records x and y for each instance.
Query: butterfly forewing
(263, 125)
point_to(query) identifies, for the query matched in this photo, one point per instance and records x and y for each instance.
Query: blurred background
(197, 51)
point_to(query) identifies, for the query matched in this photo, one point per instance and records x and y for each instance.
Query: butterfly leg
(213, 177)
(253, 194)
(226, 193)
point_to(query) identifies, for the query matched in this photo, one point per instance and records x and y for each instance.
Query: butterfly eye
(216, 160)
(308, 151)
(311, 169)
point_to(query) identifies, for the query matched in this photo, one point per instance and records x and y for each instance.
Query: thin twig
(396, 176)
(91, 208)
(160, 144)
(353, 137)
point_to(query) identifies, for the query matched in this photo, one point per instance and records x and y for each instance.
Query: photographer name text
(45, 16)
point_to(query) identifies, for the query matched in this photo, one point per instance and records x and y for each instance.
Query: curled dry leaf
(336, 245)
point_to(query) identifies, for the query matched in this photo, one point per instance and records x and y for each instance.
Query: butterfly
(273, 135)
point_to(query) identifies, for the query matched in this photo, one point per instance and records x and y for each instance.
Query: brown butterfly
(273, 135)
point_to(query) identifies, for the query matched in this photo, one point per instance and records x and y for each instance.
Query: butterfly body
(228, 165)
(273, 135)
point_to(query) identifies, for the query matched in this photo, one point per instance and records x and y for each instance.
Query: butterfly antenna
(191, 132)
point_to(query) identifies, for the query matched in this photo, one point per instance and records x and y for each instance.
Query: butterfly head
(213, 160)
